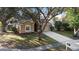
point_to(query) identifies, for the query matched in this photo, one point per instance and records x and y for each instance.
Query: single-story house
(26, 26)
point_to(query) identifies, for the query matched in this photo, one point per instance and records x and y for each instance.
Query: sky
(61, 15)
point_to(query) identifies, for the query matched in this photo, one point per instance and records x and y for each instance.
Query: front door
(35, 27)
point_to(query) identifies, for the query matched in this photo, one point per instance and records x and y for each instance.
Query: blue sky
(61, 15)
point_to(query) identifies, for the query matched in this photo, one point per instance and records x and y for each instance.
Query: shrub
(58, 25)
(14, 29)
(66, 27)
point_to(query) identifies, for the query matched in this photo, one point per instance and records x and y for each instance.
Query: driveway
(73, 44)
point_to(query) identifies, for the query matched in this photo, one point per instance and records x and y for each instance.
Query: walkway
(74, 44)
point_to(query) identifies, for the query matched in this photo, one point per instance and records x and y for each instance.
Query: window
(28, 28)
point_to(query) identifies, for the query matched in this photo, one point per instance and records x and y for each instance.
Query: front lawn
(26, 41)
(32, 40)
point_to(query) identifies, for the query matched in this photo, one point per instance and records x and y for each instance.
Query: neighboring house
(26, 26)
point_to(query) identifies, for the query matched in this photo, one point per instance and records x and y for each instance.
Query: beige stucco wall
(21, 28)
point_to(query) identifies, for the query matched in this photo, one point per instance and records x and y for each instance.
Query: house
(27, 26)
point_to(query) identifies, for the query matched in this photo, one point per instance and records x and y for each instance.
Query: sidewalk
(74, 44)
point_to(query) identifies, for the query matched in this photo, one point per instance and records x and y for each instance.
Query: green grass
(66, 33)
(32, 36)
(50, 40)
(29, 36)
(25, 41)
(31, 40)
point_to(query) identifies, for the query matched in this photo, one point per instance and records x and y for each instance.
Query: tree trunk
(75, 31)
(39, 37)
(39, 32)
(4, 27)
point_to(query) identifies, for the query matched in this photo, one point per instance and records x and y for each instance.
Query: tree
(42, 15)
(5, 14)
(73, 18)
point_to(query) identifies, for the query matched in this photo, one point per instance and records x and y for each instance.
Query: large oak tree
(42, 16)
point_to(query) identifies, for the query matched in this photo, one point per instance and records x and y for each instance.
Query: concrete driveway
(73, 44)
